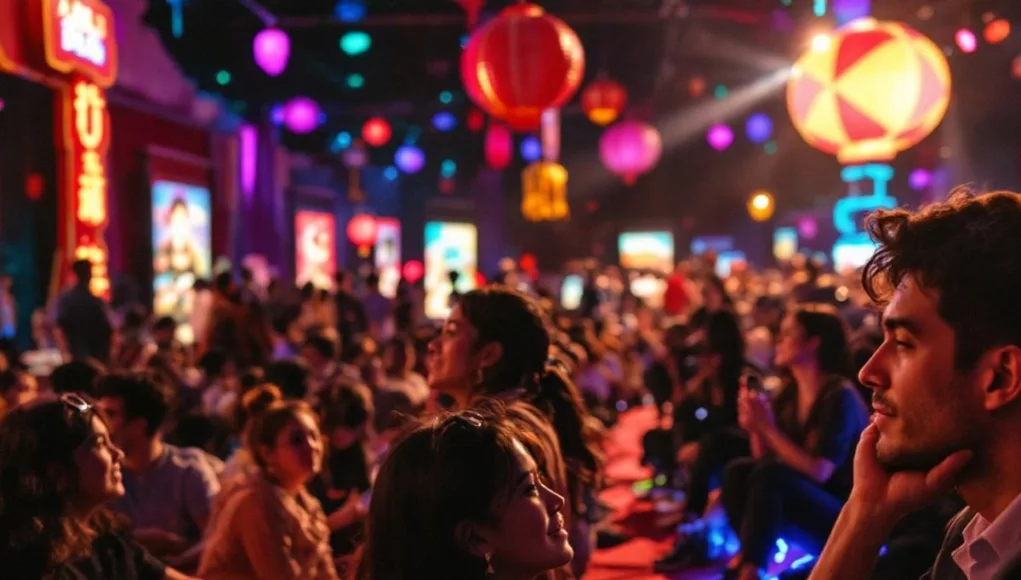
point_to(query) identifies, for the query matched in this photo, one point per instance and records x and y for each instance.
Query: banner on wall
(388, 255)
(181, 242)
(449, 247)
(315, 246)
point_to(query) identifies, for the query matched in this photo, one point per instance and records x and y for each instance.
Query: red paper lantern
(362, 231)
(521, 63)
(476, 120)
(499, 147)
(603, 101)
(413, 271)
(377, 132)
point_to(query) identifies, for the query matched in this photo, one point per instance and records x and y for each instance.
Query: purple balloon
(409, 159)
(301, 115)
(720, 137)
(272, 49)
(920, 179)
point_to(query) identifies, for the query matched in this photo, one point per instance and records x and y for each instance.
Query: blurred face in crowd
(926, 408)
(124, 432)
(25, 390)
(452, 361)
(297, 454)
(98, 466)
(792, 348)
(530, 537)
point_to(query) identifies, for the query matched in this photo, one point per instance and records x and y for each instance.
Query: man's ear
(1003, 377)
(473, 539)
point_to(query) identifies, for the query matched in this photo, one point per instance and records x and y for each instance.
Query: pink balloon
(720, 137)
(301, 115)
(630, 149)
(272, 50)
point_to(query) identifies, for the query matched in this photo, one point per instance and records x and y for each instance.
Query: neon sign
(87, 128)
(78, 37)
(854, 247)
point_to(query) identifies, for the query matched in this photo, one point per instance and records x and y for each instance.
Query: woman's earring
(489, 564)
(479, 377)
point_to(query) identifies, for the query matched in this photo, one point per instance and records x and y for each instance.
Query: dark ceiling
(654, 47)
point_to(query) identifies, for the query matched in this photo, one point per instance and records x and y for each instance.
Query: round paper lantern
(531, 149)
(272, 49)
(301, 115)
(759, 128)
(808, 228)
(630, 149)
(521, 63)
(761, 206)
(409, 159)
(720, 137)
(499, 147)
(362, 231)
(376, 132)
(876, 88)
(413, 271)
(997, 31)
(603, 101)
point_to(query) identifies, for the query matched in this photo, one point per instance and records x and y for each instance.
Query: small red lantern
(362, 231)
(521, 63)
(377, 132)
(499, 147)
(413, 271)
(603, 101)
(476, 120)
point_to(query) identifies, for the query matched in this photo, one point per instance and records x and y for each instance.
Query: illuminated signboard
(87, 138)
(854, 247)
(79, 38)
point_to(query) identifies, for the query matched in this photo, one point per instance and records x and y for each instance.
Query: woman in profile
(460, 496)
(58, 471)
(496, 343)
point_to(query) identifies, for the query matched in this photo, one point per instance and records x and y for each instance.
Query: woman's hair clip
(555, 363)
(470, 418)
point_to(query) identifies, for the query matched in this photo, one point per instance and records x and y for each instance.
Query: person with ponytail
(496, 343)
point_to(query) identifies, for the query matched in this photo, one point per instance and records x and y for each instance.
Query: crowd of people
(314, 434)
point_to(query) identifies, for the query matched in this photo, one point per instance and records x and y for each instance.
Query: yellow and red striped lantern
(520, 64)
(869, 90)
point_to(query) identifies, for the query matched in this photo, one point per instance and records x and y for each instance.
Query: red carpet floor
(633, 560)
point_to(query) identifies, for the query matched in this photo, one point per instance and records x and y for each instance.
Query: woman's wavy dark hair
(824, 322)
(38, 488)
(441, 473)
(968, 249)
(517, 323)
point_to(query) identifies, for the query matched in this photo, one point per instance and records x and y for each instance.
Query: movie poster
(449, 247)
(315, 248)
(181, 241)
(388, 255)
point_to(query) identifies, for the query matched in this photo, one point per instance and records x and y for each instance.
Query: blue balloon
(531, 149)
(759, 128)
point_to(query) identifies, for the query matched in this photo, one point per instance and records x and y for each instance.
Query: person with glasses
(461, 496)
(58, 471)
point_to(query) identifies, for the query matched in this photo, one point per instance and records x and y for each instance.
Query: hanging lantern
(476, 120)
(761, 206)
(301, 115)
(362, 231)
(869, 91)
(409, 159)
(521, 63)
(499, 147)
(630, 149)
(544, 192)
(376, 132)
(272, 49)
(413, 271)
(471, 11)
(603, 101)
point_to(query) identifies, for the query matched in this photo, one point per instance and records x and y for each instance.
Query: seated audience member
(76, 376)
(321, 356)
(399, 363)
(241, 464)
(290, 376)
(18, 388)
(270, 527)
(133, 347)
(460, 496)
(219, 383)
(169, 490)
(59, 469)
(946, 385)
